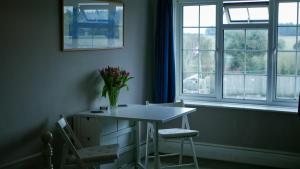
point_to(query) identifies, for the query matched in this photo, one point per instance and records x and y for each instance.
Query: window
(247, 11)
(245, 64)
(198, 50)
(237, 57)
(288, 47)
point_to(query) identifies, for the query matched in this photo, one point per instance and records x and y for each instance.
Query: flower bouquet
(115, 79)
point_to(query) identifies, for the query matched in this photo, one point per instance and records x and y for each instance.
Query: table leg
(156, 148)
(138, 139)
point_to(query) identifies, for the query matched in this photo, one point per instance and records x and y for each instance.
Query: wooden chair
(183, 133)
(83, 157)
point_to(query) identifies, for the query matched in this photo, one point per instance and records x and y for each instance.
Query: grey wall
(39, 81)
(247, 128)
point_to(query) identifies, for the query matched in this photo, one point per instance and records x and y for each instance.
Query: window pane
(233, 86)
(285, 87)
(256, 62)
(286, 63)
(238, 14)
(257, 39)
(245, 69)
(191, 16)
(297, 45)
(298, 64)
(190, 82)
(287, 80)
(191, 38)
(234, 39)
(190, 60)
(298, 13)
(287, 13)
(287, 38)
(255, 87)
(298, 87)
(207, 38)
(208, 15)
(234, 61)
(259, 13)
(206, 83)
(199, 72)
(207, 62)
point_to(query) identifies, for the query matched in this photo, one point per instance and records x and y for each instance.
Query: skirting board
(236, 154)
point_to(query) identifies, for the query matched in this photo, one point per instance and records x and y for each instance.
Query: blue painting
(92, 24)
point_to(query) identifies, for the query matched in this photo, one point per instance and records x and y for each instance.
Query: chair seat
(177, 133)
(102, 154)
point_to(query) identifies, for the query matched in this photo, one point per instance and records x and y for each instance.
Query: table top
(153, 113)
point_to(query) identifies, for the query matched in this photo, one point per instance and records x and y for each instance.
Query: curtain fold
(164, 80)
(299, 105)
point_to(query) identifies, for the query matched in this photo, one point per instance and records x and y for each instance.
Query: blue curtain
(299, 105)
(164, 87)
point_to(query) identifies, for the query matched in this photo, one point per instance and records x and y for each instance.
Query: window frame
(279, 101)
(246, 5)
(245, 29)
(179, 44)
(271, 26)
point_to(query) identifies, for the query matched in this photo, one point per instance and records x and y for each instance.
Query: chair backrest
(68, 135)
(175, 104)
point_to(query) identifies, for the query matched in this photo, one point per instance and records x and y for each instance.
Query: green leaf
(104, 91)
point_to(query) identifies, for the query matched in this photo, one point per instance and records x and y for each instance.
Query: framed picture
(92, 24)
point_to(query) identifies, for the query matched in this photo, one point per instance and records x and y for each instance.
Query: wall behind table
(246, 128)
(39, 81)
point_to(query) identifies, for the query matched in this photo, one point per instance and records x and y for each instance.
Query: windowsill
(281, 109)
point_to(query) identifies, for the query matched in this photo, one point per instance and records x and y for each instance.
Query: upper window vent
(246, 12)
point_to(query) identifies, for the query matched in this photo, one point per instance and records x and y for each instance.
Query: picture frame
(92, 24)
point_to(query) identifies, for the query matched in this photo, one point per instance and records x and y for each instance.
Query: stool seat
(177, 133)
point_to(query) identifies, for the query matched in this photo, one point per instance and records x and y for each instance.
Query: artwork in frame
(92, 24)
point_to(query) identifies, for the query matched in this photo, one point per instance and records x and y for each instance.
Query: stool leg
(138, 143)
(156, 146)
(181, 151)
(147, 145)
(194, 153)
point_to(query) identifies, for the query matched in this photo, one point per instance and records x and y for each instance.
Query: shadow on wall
(91, 87)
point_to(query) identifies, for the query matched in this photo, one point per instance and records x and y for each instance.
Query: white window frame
(178, 47)
(219, 58)
(245, 5)
(276, 5)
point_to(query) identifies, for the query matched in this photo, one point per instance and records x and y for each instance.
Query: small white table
(157, 115)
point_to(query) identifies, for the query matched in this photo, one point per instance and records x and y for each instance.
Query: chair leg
(194, 153)
(181, 151)
(63, 156)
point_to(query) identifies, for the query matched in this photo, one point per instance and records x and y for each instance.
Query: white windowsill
(281, 109)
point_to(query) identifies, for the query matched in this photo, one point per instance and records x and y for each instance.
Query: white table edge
(88, 113)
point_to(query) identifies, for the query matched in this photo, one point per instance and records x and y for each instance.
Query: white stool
(183, 134)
